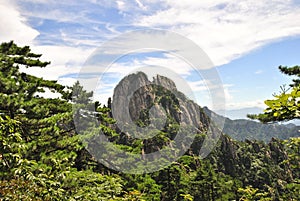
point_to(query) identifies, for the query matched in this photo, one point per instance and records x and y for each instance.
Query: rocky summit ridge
(135, 95)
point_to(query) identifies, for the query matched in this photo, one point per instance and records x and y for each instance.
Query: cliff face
(135, 95)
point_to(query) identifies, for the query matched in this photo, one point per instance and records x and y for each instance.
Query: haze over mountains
(242, 129)
(240, 113)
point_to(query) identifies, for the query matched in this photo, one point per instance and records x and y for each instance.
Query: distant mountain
(242, 129)
(240, 113)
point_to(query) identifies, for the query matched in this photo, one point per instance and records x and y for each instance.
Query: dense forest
(43, 156)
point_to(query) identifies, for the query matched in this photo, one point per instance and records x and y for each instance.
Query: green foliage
(285, 105)
(42, 157)
(249, 193)
(293, 150)
(19, 91)
(293, 160)
(292, 71)
(12, 145)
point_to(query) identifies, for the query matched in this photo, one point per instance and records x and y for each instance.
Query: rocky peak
(137, 93)
(165, 82)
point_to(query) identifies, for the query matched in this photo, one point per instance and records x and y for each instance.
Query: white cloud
(245, 104)
(258, 72)
(216, 97)
(140, 4)
(224, 29)
(64, 60)
(227, 92)
(229, 105)
(171, 62)
(227, 29)
(63, 54)
(14, 26)
(121, 5)
(66, 81)
(129, 6)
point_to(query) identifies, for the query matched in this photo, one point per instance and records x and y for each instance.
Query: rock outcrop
(135, 96)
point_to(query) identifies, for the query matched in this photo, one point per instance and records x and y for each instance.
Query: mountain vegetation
(43, 156)
(243, 129)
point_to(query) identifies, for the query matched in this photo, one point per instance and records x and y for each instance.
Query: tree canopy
(41, 157)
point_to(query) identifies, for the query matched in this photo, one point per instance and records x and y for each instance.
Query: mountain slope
(231, 166)
(242, 129)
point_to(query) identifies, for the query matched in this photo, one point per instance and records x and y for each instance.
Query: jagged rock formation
(135, 95)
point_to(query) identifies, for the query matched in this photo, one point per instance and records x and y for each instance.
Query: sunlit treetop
(286, 104)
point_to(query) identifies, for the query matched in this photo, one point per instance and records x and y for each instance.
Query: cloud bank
(226, 29)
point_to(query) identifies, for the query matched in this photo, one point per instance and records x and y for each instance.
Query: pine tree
(292, 71)
(41, 155)
(19, 91)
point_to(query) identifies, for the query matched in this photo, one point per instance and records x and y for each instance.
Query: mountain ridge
(243, 129)
(248, 164)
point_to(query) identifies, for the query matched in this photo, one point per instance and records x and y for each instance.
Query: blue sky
(246, 40)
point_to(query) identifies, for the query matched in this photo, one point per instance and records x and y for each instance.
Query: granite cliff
(139, 94)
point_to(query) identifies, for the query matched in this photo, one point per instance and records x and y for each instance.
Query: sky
(245, 40)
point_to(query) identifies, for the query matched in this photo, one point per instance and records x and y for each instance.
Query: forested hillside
(43, 157)
(242, 129)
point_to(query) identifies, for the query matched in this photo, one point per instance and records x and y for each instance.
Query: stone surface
(135, 94)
